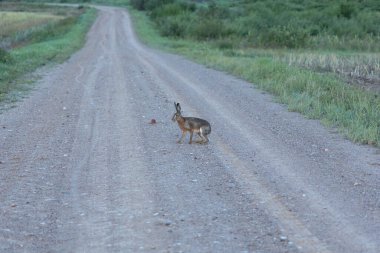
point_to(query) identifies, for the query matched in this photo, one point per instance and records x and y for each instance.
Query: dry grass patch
(13, 22)
(359, 68)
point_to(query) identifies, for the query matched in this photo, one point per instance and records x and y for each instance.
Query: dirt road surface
(82, 170)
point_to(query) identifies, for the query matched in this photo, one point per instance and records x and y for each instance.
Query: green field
(15, 22)
(33, 35)
(17, 28)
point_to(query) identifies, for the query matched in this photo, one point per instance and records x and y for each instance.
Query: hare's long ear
(177, 107)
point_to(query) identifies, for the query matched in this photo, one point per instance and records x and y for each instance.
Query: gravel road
(82, 170)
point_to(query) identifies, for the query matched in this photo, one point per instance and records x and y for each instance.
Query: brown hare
(192, 125)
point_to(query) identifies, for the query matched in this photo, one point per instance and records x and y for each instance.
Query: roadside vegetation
(33, 35)
(321, 58)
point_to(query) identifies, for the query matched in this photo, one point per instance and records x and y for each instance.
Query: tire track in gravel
(339, 226)
(300, 234)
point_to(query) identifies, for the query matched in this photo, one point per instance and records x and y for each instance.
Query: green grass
(314, 24)
(52, 45)
(354, 111)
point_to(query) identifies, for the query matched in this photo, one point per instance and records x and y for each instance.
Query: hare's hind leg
(201, 140)
(205, 139)
(203, 136)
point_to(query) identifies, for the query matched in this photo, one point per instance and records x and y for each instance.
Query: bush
(168, 10)
(208, 29)
(224, 44)
(284, 36)
(153, 4)
(347, 10)
(369, 22)
(5, 56)
(143, 5)
(138, 4)
(268, 23)
(214, 11)
(174, 26)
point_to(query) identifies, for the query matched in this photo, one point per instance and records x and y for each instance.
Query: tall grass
(357, 66)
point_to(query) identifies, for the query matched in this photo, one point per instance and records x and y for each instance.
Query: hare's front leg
(183, 136)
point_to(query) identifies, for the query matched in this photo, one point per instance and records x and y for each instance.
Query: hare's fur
(193, 125)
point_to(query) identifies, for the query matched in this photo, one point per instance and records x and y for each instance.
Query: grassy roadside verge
(52, 49)
(355, 112)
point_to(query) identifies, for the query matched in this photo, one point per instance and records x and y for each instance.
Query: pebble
(164, 223)
(167, 223)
